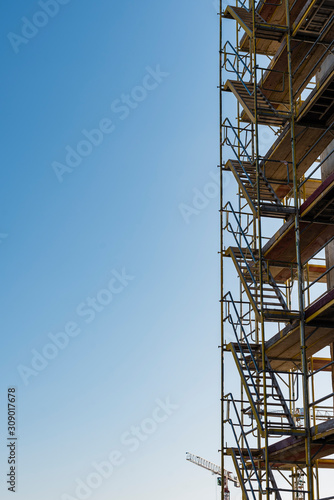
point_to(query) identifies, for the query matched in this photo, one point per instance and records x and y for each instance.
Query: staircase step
(266, 113)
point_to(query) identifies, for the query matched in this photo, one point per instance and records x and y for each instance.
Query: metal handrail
(236, 136)
(243, 4)
(242, 328)
(317, 167)
(227, 140)
(320, 369)
(258, 89)
(236, 55)
(257, 7)
(319, 250)
(271, 280)
(243, 256)
(238, 76)
(228, 204)
(315, 403)
(329, 22)
(330, 126)
(318, 278)
(268, 70)
(230, 396)
(245, 361)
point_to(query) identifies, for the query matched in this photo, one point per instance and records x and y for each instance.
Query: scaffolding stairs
(265, 111)
(250, 484)
(272, 12)
(245, 175)
(247, 462)
(263, 30)
(312, 19)
(248, 268)
(262, 389)
(261, 385)
(273, 422)
(253, 274)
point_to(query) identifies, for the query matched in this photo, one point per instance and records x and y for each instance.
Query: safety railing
(314, 170)
(248, 463)
(326, 52)
(238, 60)
(249, 471)
(288, 165)
(236, 144)
(244, 314)
(252, 263)
(240, 76)
(257, 5)
(232, 315)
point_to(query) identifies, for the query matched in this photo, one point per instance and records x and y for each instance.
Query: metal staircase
(248, 269)
(271, 428)
(246, 177)
(247, 460)
(260, 383)
(252, 274)
(244, 17)
(266, 113)
(311, 25)
(244, 171)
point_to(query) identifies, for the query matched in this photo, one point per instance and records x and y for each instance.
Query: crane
(215, 469)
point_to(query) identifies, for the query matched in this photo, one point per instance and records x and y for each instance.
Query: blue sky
(117, 213)
(110, 266)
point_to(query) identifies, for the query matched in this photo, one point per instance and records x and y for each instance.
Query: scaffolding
(277, 237)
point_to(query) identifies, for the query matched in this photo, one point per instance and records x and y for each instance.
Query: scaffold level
(277, 239)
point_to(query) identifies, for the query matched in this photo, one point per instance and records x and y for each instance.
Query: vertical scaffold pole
(259, 238)
(221, 237)
(299, 265)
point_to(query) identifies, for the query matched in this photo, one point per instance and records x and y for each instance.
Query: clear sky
(109, 239)
(109, 264)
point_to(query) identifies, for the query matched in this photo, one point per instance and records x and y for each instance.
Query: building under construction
(277, 232)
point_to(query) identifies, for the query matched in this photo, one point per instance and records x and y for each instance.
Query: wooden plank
(319, 363)
(230, 85)
(286, 345)
(323, 306)
(292, 449)
(322, 196)
(312, 272)
(274, 14)
(275, 83)
(282, 246)
(234, 13)
(275, 161)
(279, 156)
(305, 14)
(309, 187)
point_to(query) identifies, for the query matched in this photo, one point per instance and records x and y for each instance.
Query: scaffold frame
(278, 427)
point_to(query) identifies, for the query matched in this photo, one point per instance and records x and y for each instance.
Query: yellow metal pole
(259, 239)
(299, 266)
(222, 340)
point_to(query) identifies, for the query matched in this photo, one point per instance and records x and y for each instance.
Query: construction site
(277, 248)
